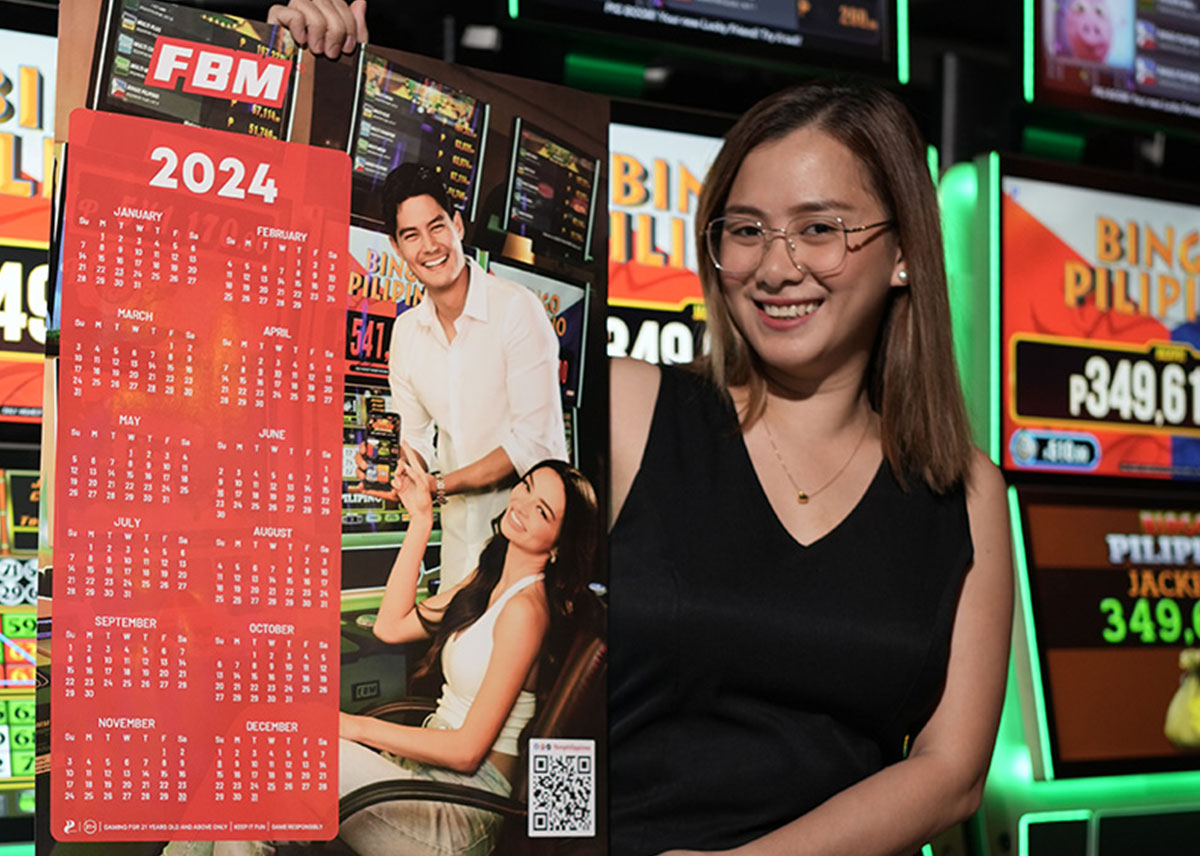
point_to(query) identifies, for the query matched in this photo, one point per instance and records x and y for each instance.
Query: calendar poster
(197, 540)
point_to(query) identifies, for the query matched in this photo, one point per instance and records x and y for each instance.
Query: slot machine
(1074, 296)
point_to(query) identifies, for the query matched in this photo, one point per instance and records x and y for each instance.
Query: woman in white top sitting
(493, 633)
(499, 635)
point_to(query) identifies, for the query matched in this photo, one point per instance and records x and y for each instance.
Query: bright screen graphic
(551, 197)
(1122, 55)
(656, 308)
(180, 64)
(405, 117)
(798, 29)
(27, 69)
(1101, 344)
(1116, 598)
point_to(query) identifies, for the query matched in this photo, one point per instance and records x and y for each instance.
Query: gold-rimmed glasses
(738, 243)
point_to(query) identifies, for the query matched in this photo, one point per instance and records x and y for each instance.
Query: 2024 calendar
(197, 527)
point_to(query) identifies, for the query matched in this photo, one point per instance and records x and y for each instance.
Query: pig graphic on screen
(1088, 26)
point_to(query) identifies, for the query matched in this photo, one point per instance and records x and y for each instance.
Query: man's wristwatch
(439, 482)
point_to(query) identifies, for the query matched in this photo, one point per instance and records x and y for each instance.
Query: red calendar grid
(197, 532)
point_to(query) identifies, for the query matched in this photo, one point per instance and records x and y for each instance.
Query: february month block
(197, 529)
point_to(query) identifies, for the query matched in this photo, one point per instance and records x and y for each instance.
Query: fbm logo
(218, 72)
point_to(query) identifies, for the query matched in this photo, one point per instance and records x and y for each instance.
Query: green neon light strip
(514, 10)
(927, 850)
(1035, 665)
(1028, 40)
(902, 70)
(995, 408)
(1045, 817)
(934, 160)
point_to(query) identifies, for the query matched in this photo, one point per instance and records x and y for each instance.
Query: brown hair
(566, 578)
(912, 380)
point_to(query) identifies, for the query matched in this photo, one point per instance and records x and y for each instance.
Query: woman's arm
(903, 806)
(397, 619)
(633, 390)
(517, 640)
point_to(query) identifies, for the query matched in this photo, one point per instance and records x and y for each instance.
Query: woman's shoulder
(526, 608)
(985, 483)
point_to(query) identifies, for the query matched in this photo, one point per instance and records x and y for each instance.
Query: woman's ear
(899, 272)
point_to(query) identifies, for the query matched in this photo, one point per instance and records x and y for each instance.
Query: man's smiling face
(430, 240)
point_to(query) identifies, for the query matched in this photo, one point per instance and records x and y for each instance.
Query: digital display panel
(656, 306)
(27, 77)
(1115, 591)
(552, 193)
(405, 117)
(1126, 57)
(1100, 338)
(808, 31)
(180, 64)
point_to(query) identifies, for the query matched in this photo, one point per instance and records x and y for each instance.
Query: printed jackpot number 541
(200, 175)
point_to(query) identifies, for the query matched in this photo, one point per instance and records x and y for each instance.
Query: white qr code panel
(562, 788)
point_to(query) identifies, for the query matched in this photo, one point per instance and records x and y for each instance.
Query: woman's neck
(835, 403)
(519, 564)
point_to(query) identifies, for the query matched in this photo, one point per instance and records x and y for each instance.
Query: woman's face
(801, 324)
(534, 515)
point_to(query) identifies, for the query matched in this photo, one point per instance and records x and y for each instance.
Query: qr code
(562, 788)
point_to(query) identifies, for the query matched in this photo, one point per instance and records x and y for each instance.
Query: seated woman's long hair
(572, 605)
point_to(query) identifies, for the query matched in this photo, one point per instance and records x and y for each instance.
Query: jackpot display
(1136, 58)
(1099, 303)
(27, 72)
(1116, 598)
(196, 538)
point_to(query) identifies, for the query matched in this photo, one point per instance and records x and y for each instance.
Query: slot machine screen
(1138, 59)
(138, 38)
(1115, 594)
(551, 194)
(1100, 290)
(27, 69)
(869, 36)
(404, 117)
(658, 163)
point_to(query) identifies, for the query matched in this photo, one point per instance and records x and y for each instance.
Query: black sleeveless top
(752, 677)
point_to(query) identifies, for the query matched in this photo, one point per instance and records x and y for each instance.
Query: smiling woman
(810, 565)
(499, 636)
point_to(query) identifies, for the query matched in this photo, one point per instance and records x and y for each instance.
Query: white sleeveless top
(465, 658)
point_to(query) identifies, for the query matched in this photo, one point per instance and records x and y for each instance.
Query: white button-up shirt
(495, 385)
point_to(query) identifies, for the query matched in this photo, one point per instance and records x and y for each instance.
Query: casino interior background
(1023, 139)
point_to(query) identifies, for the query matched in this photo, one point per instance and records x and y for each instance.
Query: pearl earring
(902, 275)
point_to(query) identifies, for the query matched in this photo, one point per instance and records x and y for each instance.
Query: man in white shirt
(477, 358)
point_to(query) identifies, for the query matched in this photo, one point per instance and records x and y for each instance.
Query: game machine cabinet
(27, 77)
(1074, 296)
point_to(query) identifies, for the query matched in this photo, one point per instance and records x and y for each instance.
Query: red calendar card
(197, 531)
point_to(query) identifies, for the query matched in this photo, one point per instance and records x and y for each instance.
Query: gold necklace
(802, 496)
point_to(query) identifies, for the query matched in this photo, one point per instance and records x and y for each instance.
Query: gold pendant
(801, 497)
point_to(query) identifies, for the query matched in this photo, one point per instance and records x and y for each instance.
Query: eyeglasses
(817, 245)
